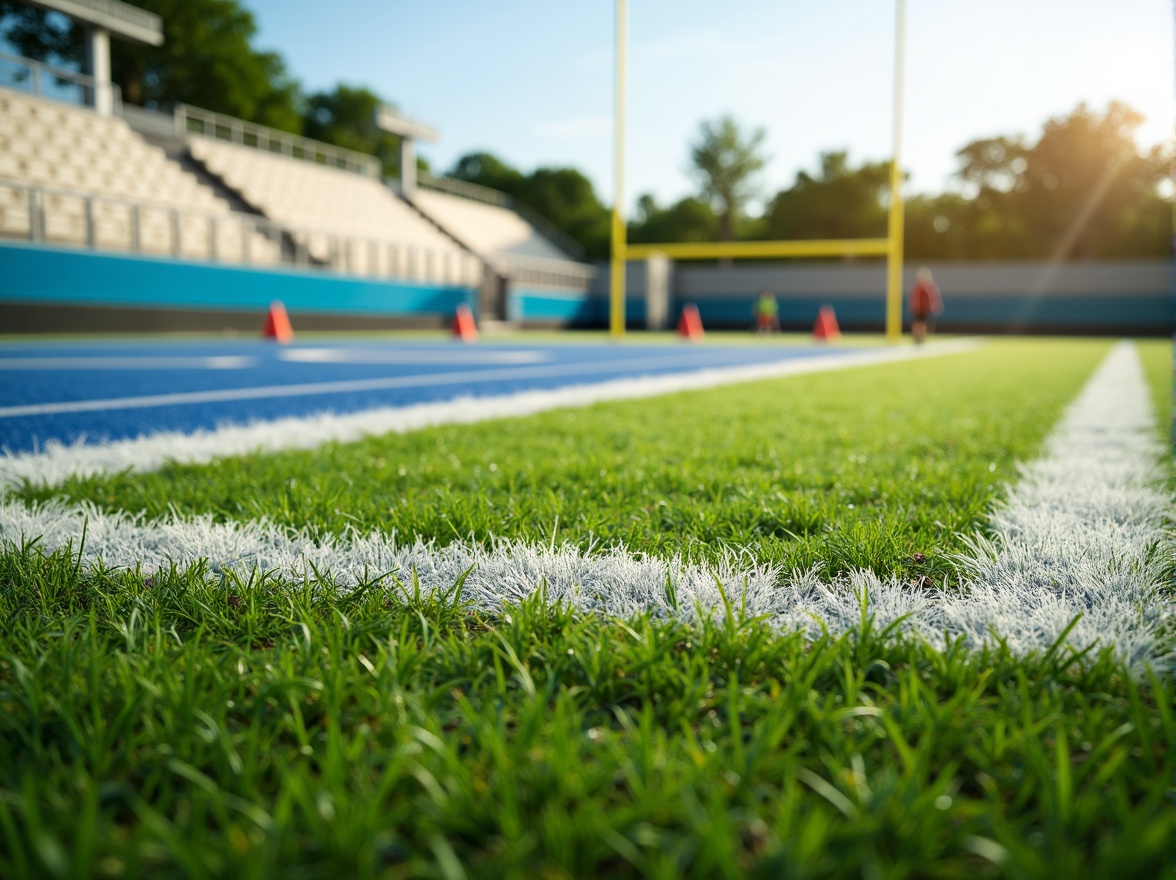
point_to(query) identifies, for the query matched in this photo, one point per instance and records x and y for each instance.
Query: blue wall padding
(34, 274)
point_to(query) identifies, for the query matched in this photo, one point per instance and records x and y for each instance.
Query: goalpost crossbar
(716, 250)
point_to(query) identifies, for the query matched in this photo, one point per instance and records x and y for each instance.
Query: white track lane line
(125, 362)
(410, 356)
(583, 369)
(57, 461)
(1077, 536)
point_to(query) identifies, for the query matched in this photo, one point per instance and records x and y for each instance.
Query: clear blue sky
(531, 80)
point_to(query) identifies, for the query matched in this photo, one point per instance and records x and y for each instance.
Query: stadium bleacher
(324, 203)
(199, 186)
(99, 182)
(489, 229)
(521, 247)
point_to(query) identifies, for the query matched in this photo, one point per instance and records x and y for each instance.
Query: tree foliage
(41, 35)
(726, 162)
(1083, 190)
(346, 117)
(208, 60)
(839, 201)
(689, 219)
(564, 196)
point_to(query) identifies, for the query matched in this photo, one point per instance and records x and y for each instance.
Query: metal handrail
(472, 191)
(550, 264)
(205, 123)
(415, 260)
(38, 70)
(478, 193)
(130, 14)
(549, 230)
(560, 274)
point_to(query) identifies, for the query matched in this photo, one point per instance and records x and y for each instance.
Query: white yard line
(1083, 533)
(130, 362)
(58, 461)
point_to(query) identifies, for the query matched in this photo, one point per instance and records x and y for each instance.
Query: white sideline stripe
(214, 362)
(409, 356)
(58, 461)
(1076, 536)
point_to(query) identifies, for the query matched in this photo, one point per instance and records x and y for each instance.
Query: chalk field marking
(215, 362)
(410, 356)
(58, 461)
(1077, 535)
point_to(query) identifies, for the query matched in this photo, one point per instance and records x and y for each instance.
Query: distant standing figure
(925, 303)
(767, 313)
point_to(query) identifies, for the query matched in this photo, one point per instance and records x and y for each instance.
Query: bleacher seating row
(82, 164)
(325, 202)
(489, 229)
(69, 175)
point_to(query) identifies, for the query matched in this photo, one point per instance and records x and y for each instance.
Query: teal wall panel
(32, 274)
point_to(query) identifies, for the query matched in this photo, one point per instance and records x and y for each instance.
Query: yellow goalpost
(889, 247)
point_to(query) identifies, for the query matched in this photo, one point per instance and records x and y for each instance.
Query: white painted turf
(1085, 532)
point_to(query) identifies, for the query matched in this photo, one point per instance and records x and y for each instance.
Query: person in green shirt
(767, 313)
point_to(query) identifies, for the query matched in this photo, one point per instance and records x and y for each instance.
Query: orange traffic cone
(277, 324)
(826, 329)
(690, 324)
(464, 327)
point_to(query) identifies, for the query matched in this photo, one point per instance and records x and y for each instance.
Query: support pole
(98, 67)
(618, 257)
(407, 167)
(895, 225)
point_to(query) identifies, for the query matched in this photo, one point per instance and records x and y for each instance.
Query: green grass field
(861, 469)
(182, 725)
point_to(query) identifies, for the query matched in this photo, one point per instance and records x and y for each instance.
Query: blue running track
(111, 391)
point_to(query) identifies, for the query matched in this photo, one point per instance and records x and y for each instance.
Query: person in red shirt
(925, 302)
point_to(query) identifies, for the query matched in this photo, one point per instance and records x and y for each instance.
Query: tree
(486, 169)
(839, 201)
(726, 163)
(567, 198)
(346, 117)
(207, 60)
(1086, 190)
(1083, 190)
(689, 219)
(562, 195)
(939, 227)
(41, 35)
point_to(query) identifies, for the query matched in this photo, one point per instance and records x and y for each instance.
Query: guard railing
(193, 120)
(45, 81)
(72, 217)
(544, 272)
(477, 193)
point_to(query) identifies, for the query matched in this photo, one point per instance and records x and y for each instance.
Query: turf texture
(185, 725)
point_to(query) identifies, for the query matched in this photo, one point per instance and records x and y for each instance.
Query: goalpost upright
(889, 247)
(619, 255)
